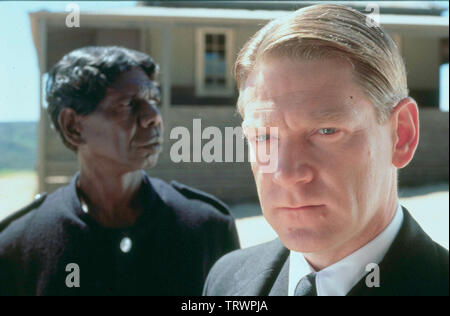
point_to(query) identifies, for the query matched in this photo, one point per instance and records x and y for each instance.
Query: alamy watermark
(73, 278)
(262, 145)
(73, 18)
(373, 278)
(373, 18)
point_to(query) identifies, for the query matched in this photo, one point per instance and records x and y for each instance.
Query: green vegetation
(18, 146)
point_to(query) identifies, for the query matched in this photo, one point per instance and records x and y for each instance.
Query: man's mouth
(152, 142)
(304, 207)
(152, 146)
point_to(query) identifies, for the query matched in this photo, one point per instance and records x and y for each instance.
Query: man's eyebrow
(260, 117)
(123, 97)
(144, 91)
(332, 114)
(149, 91)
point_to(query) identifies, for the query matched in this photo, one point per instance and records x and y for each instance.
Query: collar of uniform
(339, 278)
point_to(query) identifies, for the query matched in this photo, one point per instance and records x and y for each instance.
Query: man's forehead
(146, 89)
(135, 78)
(274, 74)
(300, 100)
(319, 108)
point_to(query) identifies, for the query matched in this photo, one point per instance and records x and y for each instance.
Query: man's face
(125, 130)
(334, 175)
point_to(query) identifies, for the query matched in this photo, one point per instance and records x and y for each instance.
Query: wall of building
(430, 163)
(183, 55)
(422, 59)
(231, 181)
(184, 49)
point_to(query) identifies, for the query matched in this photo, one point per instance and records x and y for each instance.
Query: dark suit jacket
(413, 265)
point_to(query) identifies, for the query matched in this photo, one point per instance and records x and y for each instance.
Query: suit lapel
(259, 280)
(280, 287)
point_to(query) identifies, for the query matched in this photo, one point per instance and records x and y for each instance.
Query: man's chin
(150, 162)
(304, 240)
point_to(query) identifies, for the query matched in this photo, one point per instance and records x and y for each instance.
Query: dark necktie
(306, 286)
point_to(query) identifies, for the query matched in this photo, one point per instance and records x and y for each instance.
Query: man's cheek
(264, 186)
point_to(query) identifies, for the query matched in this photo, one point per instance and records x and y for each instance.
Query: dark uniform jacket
(413, 265)
(168, 251)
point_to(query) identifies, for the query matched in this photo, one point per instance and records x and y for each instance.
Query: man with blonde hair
(334, 87)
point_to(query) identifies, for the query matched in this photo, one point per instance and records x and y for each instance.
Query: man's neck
(110, 197)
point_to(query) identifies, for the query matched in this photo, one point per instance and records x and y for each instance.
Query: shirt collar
(339, 278)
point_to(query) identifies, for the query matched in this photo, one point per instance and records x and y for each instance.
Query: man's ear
(405, 125)
(69, 125)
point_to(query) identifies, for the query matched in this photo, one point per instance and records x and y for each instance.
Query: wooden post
(397, 38)
(143, 42)
(43, 118)
(165, 72)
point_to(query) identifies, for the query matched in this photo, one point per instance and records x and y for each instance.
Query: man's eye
(127, 104)
(262, 138)
(327, 131)
(154, 102)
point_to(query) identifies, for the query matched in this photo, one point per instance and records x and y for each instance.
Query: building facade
(196, 48)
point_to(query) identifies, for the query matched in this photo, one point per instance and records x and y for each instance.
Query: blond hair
(326, 31)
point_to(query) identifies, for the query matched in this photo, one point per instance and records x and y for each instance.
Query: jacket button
(125, 244)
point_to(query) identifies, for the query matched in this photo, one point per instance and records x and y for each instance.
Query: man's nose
(149, 115)
(294, 166)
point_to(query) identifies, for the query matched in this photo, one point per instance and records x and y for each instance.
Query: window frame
(200, 88)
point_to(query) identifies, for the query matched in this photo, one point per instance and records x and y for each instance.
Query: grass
(13, 172)
(18, 145)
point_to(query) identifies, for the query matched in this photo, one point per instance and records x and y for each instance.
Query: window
(213, 63)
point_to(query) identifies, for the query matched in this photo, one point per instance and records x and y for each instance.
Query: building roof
(138, 16)
(387, 7)
(244, 15)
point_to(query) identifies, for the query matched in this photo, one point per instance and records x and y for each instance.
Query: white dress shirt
(339, 278)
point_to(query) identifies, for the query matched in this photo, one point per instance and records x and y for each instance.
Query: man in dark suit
(331, 85)
(113, 230)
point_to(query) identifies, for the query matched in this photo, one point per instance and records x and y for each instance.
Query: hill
(18, 145)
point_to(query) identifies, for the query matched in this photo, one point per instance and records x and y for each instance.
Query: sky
(19, 75)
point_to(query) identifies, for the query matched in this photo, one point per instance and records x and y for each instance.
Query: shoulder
(201, 220)
(236, 269)
(251, 257)
(197, 195)
(442, 269)
(14, 227)
(191, 203)
(38, 200)
(423, 247)
(35, 222)
(415, 263)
